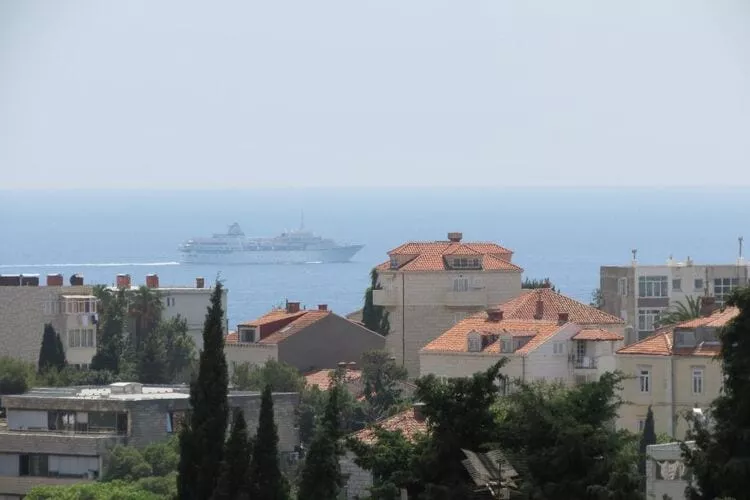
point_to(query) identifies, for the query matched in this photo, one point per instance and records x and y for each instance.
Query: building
(544, 335)
(674, 370)
(666, 473)
(308, 339)
(639, 294)
(62, 435)
(427, 287)
(411, 423)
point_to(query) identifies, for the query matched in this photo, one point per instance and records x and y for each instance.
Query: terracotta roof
(231, 338)
(524, 307)
(271, 316)
(322, 378)
(456, 338)
(306, 319)
(597, 334)
(430, 256)
(409, 422)
(661, 343)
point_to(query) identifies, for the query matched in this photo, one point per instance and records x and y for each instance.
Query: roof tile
(524, 307)
(597, 334)
(409, 422)
(430, 256)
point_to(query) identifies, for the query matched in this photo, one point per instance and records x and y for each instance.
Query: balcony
(585, 363)
(390, 297)
(469, 298)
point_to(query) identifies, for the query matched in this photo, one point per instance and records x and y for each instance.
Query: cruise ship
(294, 247)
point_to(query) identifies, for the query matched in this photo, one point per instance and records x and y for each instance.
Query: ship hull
(338, 254)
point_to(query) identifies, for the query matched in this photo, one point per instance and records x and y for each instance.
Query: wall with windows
(698, 381)
(190, 304)
(651, 384)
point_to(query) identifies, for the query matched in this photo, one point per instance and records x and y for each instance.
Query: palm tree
(680, 312)
(145, 308)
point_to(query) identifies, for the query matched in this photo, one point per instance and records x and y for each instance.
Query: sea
(561, 234)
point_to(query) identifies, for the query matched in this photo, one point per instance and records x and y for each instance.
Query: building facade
(639, 294)
(666, 473)
(62, 435)
(427, 287)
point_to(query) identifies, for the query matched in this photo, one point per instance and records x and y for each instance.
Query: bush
(16, 376)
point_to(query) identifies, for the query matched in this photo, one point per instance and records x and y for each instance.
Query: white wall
(9, 464)
(27, 419)
(191, 304)
(255, 354)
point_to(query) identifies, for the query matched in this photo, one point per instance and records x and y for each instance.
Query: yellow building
(674, 370)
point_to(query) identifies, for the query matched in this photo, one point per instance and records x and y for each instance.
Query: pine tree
(52, 353)
(720, 460)
(233, 481)
(266, 480)
(321, 476)
(648, 437)
(202, 439)
(152, 365)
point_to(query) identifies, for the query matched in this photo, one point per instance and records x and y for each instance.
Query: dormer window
(684, 338)
(474, 340)
(248, 335)
(506, 344)
(466, 263)
(394, 262)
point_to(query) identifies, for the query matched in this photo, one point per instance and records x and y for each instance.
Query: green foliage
(152, 366)
(281, 377)
(720, 460)
(126, 463)
(117, 490)
(647, 437)
(321, 475)
(235, 468)
(110, 341)
(202, 438)
(597, 298)
(51, 353)
(681, 311)
(163, 457)
(179, 346)
(381, 377)
(537, 283)
(266, 480)
(374, 317)
(145, 308)
(163, 486)
(16, 376)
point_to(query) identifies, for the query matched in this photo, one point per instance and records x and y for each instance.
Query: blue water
(563, 234)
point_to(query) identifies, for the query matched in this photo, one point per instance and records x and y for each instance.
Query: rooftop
(597, 334)
(322, 378)
(410, 423)
(281, 324)
(119, 391)
(525, 307)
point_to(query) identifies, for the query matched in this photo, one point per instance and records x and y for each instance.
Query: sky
(251, 94)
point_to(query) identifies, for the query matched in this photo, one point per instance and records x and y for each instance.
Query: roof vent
(455, 237)
(494, 314)
(562, 318)
(292, 307)
(322, 307)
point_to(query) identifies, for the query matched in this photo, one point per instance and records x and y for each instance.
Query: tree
(110, 342)
(126, 463)
(321, 476)
(375, 317)
(202, 438)
(116, 490)
(152, 366)
(163, 457)
(52, 353)
(281, 377)
(537, 283)
(681, 311)
(266, 480)
(597, 298)
(236, 464)
(381, 376)
(145, 307)
(648, 437)
(720, 460)
(16, 376)
(179, 346)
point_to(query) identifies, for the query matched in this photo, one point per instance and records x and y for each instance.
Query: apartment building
(667, 476)
(427, 287)
(308, 339)
(59, 436)
(639, 294)
(543, 334)
(674, 371)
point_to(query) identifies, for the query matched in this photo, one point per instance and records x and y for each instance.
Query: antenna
(740, 242)
(635, 255)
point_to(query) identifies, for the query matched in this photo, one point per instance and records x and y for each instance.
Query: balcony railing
(585, 362)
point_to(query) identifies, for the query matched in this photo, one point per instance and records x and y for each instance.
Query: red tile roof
(661, 343)
(430, 256)
(231, 338)
(322, 378)
(271, 316)
(525, 305)
(597, 334)
(299, 321)
(456, 338)
(409, 423)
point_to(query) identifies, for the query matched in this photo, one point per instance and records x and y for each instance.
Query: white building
(666, 473)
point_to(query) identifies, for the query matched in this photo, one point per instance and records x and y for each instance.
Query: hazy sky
(388, 92)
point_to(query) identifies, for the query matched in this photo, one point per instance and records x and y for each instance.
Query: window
(647, 319)
(461, 284)
(475, 342)
(247, 335)
(580, 349)
(506, 345)
(33, 465)
(622, 286)
(684, 338)
(394, 262)
(644, 379)
(698, 285)
(465, 263)
(652, 286)
(641, 424)
(677, 284)
(558, 348)
(81, 338)
(723, 287)
(697, 380)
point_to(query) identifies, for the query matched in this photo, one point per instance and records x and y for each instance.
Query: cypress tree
(266, 480)
(321, 476)
(202, 439)
(648, 437)
(374, 317)
(233, 480)
(52, 353)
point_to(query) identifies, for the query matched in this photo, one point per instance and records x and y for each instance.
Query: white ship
(294, 247)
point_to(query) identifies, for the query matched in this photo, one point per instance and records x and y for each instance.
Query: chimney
(418, 411)
(352, 365)
(292, 307)
(30, 280)
(341, 365)
(55, 279)
(539, 313)
(322, 307)
(200, 282)
(123, 281)
(76, 280)
(152, 280)
(708, 306)
(10, 280)
(494, 314)
(562, 318)
(455, 237)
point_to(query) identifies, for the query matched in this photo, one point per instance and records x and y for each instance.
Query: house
(308, 339)
(59, 436)
(351, 378)
(666, 473)
(675, 370)
(427, 287)
(545, 336)
(411, 423)
(639, 293)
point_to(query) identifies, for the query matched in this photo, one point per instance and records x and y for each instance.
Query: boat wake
(92, 264)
